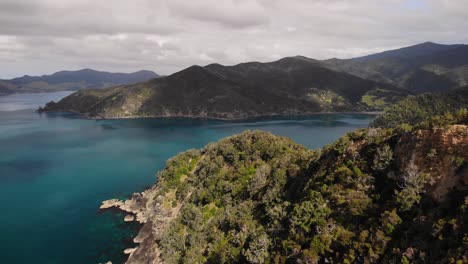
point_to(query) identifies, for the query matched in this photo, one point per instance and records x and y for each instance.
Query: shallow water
(55, 169)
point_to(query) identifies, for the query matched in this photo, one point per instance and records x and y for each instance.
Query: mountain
(74, 80)
(290, 86)
(6, 88)
(426, 67)
(377, 195)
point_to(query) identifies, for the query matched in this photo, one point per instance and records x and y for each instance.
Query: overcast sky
(43, 36)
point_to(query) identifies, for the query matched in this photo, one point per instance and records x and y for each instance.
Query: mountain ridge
(74, 80)
(409, 52)
(289, 86)
(411, 67)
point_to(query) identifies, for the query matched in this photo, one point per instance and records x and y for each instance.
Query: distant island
(72, 81)
(289, 86)
(396, 192)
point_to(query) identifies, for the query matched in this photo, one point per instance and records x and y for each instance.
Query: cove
(56, 168)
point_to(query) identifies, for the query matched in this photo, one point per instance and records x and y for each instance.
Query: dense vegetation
(375, 196)
(424, 108)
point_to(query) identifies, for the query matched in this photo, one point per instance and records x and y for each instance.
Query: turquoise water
(55, 169)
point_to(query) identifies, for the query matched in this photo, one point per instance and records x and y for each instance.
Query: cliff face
(376, 195)
(437, 153)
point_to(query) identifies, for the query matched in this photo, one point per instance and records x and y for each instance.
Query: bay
(56, 168)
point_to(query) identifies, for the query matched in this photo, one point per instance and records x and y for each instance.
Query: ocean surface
(56, 168)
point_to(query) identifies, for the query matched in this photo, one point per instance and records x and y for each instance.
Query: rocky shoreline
(151, 210)
(148, 210)
(136, 209)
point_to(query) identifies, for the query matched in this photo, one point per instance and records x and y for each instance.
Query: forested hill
(377, 195)
(424, 109)
(290, 86)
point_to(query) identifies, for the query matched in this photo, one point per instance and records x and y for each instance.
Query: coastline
(147, 210)
(240, 118)
(39, 92)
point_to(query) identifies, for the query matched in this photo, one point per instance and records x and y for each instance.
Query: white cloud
(43, 36)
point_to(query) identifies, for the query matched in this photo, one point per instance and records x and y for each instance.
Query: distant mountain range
(289, 86)
(427, 67)
(72, 80)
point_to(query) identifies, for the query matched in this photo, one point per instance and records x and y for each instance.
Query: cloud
(44, 36)
(227, 13)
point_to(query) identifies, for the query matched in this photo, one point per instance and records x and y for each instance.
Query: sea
(57, 168)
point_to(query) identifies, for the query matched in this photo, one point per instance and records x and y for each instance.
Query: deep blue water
(55, 169)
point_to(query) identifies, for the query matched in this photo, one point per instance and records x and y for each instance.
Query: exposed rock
(145, 231)
(111, 203)
(447, 142)
(130, 250)
(146, 252)
(129, 218)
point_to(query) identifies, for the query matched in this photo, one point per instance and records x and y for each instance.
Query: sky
(44, 36)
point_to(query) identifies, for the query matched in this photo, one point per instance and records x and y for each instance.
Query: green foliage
(458, 162)
(178, 170)
(432, 109)
(259, 198)
(379, 99)
(432, 154)
(258, 248)
(383, 157)
(309, 214)
(404, 260)
(412, 183)
(390, 220)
